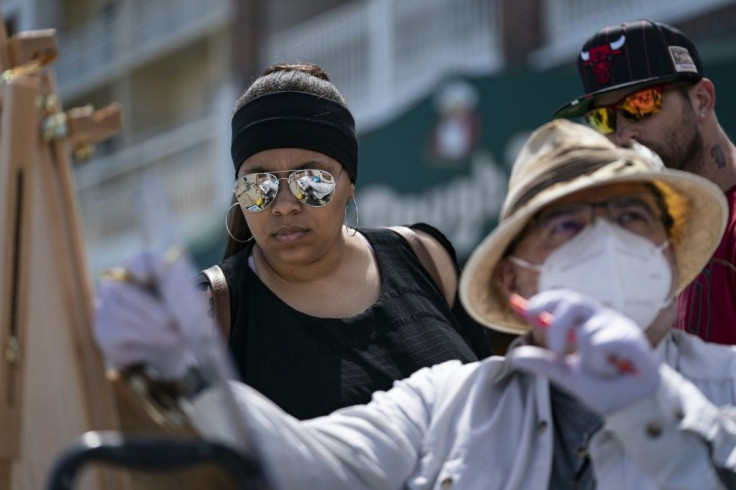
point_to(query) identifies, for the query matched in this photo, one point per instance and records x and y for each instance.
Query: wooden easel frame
(46, 344)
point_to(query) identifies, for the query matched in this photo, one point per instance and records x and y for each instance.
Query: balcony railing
(191, 161)
(570, 22)
(384, 54)
(129, 34)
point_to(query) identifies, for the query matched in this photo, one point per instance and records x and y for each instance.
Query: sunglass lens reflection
(255, 192)
(642, 104)
(634, 107)
(602, 119)
(312, 187)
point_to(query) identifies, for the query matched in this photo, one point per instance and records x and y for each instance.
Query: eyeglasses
(313, 187)
(641, 213)
(634, 107)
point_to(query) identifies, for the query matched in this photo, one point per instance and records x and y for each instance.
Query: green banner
(446, 160)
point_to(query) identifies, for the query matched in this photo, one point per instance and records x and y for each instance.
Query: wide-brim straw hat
(561, 158)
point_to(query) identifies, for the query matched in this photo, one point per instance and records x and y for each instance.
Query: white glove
(152, 317)
(612, 365)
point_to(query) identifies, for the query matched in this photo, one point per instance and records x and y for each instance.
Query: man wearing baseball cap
(644, 81)
(597, 392)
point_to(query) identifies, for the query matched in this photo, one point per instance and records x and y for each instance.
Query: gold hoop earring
(357, 218)
(227, 227)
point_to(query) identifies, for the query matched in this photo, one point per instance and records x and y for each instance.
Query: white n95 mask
(624, 271)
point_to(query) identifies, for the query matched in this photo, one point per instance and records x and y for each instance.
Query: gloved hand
(152, 315)
(612, 364)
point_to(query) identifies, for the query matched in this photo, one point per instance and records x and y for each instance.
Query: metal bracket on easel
(55, 127)
(12, 352)
(81, 126)
(29, 68)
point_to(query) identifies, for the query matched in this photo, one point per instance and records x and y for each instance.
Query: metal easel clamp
(30, 68)
(55, 127)
(12, 352)
(47, 103)
(81, 126)
(83, 151)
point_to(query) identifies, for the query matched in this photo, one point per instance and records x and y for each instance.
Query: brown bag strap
(220, 297)
(420, 250)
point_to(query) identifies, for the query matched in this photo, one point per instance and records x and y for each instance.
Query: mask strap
(666, 303)
(661, 248)
(523, 263)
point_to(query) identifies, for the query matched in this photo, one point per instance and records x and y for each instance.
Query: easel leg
(5, 474)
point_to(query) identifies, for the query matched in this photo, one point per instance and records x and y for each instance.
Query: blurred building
(443, 92)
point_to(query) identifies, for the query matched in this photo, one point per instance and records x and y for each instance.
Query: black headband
(295, 120)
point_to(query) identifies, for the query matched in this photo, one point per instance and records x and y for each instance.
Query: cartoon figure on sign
(455, 134)
(600, 58)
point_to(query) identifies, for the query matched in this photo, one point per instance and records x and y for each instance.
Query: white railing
(385, 54)
(570, 22)
(131, 34)
(191, 161)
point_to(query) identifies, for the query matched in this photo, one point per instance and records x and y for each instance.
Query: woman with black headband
(322, 314)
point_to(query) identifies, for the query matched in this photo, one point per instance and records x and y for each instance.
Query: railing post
(381, 60)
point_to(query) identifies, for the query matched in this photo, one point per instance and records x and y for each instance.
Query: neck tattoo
(718, 155)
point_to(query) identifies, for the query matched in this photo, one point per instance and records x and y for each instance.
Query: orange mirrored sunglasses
(634, 107)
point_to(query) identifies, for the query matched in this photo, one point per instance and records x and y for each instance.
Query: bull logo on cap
(601, 57)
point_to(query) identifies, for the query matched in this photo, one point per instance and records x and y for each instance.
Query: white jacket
(482, 426)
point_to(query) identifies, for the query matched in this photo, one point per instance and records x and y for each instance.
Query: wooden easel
(53, 382)
(52, 378)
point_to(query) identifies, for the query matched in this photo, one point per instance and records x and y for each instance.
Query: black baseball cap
(632, 55)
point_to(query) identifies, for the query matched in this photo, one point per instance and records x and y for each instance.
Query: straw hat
(563, 157)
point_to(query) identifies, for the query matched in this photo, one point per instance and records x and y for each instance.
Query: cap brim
(698, 207)
(578, 107)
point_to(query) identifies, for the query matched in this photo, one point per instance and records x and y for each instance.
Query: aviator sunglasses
(313, 187)
(634, 107)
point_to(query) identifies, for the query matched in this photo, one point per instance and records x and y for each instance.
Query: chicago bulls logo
(601, 57)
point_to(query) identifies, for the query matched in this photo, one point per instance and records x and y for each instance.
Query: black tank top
(311, 366)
